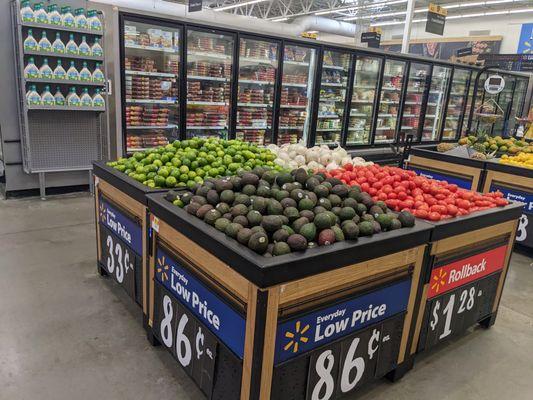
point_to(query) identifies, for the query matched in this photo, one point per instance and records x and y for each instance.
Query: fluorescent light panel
(236, 5)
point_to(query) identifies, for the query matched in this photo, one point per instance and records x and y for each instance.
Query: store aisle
(68, 334)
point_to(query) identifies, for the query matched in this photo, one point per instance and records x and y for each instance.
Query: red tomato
(431, 201)
(402, 195)
(377, 185)
(420, 213)
(434, 216)
(439, 209)
(392, 195)
(371, 191)
(500, 202)
(452, 187)
(467, 195)
(348, 167)
(461, 203)
(452, 209)
(361, 179)
(382, 196)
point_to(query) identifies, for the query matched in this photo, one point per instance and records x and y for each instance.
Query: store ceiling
(374, 12)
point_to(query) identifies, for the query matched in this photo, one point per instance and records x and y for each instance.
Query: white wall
(507, 26)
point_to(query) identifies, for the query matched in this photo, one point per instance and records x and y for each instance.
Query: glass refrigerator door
(468, 107)
(501, 126)
(299, 64)
(484, 107)
(458, 95)
(209, 66)
(365, 87)
(433, 120)
(520, 93)
(414, 97)
(332, 98)
(151, 77)
(389, 103)
(258, 63)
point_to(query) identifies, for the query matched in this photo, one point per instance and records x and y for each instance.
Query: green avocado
(305, 204)
(274, 207)
(406, 219)
(227, 196)
(271, 223)
(366, 228)
(254, 217)
(347, 213)
(281, 248)
(297, 242)
(350, 230)
(221, 224)
(233, 229)
(323, 221)
(297, 224)
(308, 231)
(212, 216)
(258, 242)
(244, 236)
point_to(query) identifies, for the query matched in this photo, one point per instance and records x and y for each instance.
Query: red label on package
(461, 272)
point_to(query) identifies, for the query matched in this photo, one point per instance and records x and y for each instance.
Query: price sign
(455, 311)
(524, 233)
(186, 338)
(121, 246)
(462, 182)
(436, 19)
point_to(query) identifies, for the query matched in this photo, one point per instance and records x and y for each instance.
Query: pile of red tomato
(426, 198)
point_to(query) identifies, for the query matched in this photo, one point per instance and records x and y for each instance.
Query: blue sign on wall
(221, 319)
(461, 182)
(302, 334)
(124, 227)
(525, 43)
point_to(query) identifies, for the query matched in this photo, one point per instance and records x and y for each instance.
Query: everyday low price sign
(302, 334)
(463, 183)
(219, 317)
(469, 269)
(120, 224)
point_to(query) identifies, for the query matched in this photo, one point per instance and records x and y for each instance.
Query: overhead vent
(479, 33)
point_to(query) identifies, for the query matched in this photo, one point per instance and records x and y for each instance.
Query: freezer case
(456, 104)
(151, 66)
(519, 97)
(332, 97)
(415, 99)
(364, 97)
(209, 77)
(438, 93)
(505, 101)
(258, 65)
(296, 99)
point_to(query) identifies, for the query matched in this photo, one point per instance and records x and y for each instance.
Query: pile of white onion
(297, 155)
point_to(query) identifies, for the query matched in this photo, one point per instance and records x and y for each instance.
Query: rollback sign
(302, 334)
(218, 316)
(524, 231)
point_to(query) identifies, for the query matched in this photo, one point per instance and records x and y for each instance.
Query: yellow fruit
(524, 160)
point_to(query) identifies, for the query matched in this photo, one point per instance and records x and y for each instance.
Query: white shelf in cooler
(359, 115)
(146, 127)
(364, 87)
(292, 106)
(328, 129)
(253, 127)
(258, 60)
(254, 82)
(301, 63)
(150, 101)
(302, 85)
(207, 78)
(333, 84)
(356, 129)
(206, 127)
(300, 128)
(337, 67)
(206, 103)
(363, 101)
(258, 105)
(151, 48)
(149, 73)
(329, 116)
(384, 128)
(220, 56)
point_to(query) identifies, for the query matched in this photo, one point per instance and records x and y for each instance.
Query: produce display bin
(515, 183)
(465, 172)
(122, 230)
(464, 274)
(306, 325)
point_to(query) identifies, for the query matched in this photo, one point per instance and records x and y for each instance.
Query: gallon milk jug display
(58, 46)
(84, 49)
(85, 74)
(98, 75)
(45, 71)
(40, 14)
(53, 15)
(86, 99)
(72, 47)
(59, 71)
(47, 98)
(26, 12)
(97, 50)
(44, 43)
(72, 72)
(30, 44)
(59, 98)
(80, 19)
(34, 99)
(73, 99)
(31, 71)
(98, 100)
(67, 18)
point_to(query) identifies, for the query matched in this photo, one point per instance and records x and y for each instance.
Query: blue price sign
(219, 317)
(461, 182)
(128, 230)
(301, 334)
(524, 233)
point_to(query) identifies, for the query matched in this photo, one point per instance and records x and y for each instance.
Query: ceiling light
(236, 5)
(280, 19)
(363, 7)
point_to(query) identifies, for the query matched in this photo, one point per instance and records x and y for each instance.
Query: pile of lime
(188, 162)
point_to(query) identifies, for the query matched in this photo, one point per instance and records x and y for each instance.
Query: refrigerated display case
(363, 104)
(209, 77)
(296, 99)
(519, 97)
(436, 100)
(389, 103)
(151, 66)
(456, 103)
(258, 65)
(332, 97)
(466, 123)
(418, 81)
(504, 100)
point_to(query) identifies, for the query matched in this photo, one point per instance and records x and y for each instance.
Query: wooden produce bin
(516, 184)
(465, 172)
(122, 230)
(308, 325)
(464, 274)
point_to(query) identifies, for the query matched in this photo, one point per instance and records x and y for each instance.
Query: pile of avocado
(276, 213)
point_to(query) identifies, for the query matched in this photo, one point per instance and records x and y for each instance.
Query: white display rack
(302, 85)
(197, 54)
(148, 127)
(206, 103)
(254, 82)
(293, 106)
(258, 105)
(207, 127)
(60, 28)
(149, 101)
(64, 108)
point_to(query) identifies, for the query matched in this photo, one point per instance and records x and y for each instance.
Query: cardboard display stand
(122, 230)
(516, 184)
(300, 326)
(464, 274)
(465, 172)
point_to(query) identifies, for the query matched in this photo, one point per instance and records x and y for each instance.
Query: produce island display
(268, 281)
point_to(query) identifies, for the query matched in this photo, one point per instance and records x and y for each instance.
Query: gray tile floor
(65, 333)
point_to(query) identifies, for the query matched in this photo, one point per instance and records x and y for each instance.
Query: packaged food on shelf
(53, 15)
(26, 12)
(40, 14)
(67, 18)
(44, 43)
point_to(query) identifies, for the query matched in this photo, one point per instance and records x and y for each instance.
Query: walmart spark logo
(296, 338)
(102, 212)
(439, 281)
(162, 269)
